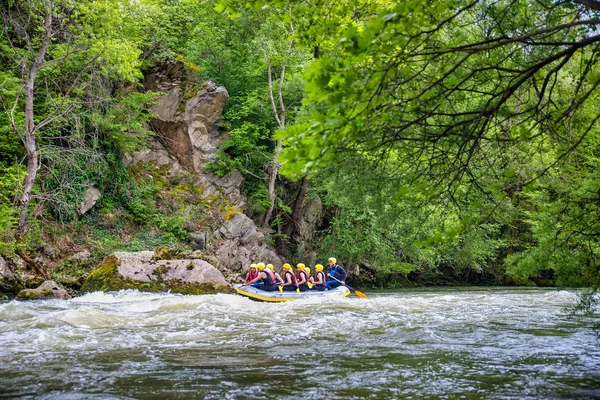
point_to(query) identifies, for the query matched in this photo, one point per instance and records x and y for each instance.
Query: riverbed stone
(141, 270)
(80, 257)
(48, 289)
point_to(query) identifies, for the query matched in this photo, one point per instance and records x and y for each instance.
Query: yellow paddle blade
(310, 285)
(360, 294)
(280, 289)
(298, 290)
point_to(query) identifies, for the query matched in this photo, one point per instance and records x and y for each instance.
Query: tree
(59, 49)
(268, 68)
(279, 113)
(417, 83)
(466, 105)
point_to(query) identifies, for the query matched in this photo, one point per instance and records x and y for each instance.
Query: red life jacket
(294, 280)
(305, 276)
(251, 275)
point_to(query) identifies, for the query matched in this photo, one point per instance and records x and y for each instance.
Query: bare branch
(593, 4)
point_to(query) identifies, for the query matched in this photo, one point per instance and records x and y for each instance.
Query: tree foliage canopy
(455, 135)
(481, 109)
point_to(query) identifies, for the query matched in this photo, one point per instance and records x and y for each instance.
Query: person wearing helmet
(336, 273)
(302, 277)
(252, 273)
(265, 279)
(278, 279)
(309, 278)
(289, 279)
(319, 279)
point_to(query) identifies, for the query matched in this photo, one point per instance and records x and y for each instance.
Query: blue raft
(277, 296)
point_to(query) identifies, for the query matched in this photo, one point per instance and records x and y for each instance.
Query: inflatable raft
(277, 296)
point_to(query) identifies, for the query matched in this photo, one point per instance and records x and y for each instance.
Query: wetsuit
(294, 285)
(337, 272)
(268, 283)
(317, 286)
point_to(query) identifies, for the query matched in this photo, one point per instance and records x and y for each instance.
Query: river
(471, 343)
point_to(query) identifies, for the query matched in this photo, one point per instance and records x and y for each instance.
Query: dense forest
(447, 141)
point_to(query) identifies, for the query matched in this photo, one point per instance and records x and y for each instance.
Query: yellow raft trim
(274, 300)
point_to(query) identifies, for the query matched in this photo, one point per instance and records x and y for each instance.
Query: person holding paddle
(302, 278)
(289, 279)
(265, 279)
(336, 273)
(319, 278)
(252, 273)
(277, 276)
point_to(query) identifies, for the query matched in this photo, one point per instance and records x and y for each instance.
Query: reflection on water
(486, 343)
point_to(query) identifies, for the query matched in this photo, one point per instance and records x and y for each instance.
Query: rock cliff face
(187, 130)
(188, 135)
(240, 243)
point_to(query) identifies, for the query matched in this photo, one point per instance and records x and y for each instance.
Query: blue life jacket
(338, 273)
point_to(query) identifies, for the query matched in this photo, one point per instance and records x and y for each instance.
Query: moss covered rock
(48, 289)
(140, 270)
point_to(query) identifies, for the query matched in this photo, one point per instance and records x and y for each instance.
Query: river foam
(493, 343)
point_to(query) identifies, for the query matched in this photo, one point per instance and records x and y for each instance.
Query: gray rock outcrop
(14, 276)
(6, 274)
(241, 244)
(186, 121)
(141, 270)
(80, 257)
(312, 210)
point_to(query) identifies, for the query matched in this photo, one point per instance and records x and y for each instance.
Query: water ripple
(492, 343)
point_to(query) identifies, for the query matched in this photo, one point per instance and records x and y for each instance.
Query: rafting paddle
(359, 294)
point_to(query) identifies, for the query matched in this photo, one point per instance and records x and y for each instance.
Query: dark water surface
(433, 343)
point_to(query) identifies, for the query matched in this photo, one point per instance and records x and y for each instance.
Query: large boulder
(47, 290)
(141, 270)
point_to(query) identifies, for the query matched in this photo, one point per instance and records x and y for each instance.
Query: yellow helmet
(286, 266)
(260, 266)
(318, 267)
(300, 266)
(307, 270)
(270, 266)
(332, 259)
(252, 266)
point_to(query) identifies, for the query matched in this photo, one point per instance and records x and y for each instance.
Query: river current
(430, 343)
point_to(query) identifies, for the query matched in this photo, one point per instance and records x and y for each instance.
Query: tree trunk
(292, 226)
(29, 140)
(271, 186)
(280, 118)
